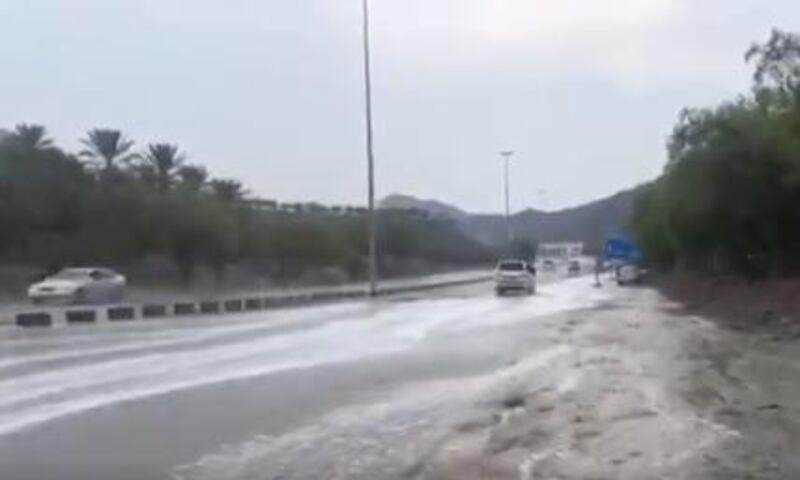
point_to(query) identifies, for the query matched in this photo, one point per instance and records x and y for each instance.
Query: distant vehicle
(548, 265)
(574, 268)
(78, 286)
(621, 250)
(515, 275)
(629, 274)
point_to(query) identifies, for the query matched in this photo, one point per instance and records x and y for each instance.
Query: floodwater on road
(98, 399)
(574, 382)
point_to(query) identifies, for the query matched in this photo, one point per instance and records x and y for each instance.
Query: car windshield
(72, 274)
(511, 266)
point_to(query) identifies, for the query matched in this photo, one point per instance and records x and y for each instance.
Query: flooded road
(569, 382)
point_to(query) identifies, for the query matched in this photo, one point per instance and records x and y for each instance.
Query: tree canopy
(727, 200)
(123, 207)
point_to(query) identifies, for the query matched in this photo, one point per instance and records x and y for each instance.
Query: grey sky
(269, 91)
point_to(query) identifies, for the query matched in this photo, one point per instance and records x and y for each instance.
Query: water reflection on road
(380, 382)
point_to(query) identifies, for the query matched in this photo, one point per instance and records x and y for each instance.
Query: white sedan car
(514, 275)
(79, 285)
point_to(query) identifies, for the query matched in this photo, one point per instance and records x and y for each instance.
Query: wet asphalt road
(350, 390)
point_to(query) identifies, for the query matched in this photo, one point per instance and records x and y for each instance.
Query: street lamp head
(507, 153)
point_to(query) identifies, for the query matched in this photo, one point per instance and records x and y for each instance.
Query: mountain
(590, 223)
(433, 208)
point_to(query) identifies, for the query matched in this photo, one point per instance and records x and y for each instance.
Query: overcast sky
(270, 91)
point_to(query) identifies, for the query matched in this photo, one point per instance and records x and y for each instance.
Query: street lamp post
(506, 160)
(372, 220)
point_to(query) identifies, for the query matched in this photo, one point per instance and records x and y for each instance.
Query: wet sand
(651, 391)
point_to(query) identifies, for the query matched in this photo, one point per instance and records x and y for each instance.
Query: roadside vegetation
(122, 204)
(728, 200)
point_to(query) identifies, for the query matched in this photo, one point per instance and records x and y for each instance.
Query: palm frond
(31, 137)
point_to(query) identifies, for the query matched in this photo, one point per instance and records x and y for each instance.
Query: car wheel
(37, 301)
(500, 292)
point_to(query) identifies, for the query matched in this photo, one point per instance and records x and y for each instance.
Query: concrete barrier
(184, 308)
(34, 319)
(154, 311)
(252, 304)
(209, 307)
(120, 314)
(294, 300)
(81, 316)
(236, 305)
(233, 306)
(432, 286)
(324, 296)
(274, 302)
(269, 302)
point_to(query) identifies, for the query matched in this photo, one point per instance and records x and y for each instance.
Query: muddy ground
(692, 381)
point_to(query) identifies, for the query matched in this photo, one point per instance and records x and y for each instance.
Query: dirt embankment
(698, 379)
(751, 379)
(764, 307)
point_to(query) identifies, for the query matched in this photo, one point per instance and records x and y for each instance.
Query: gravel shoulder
(652, 389)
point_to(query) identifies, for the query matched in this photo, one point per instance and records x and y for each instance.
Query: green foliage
(728, 195)
(227, 190)
(108, 147)
(29, 138)
(56, 210)
(192, 177)
(163, 160)
(524, 248)
(777, 62)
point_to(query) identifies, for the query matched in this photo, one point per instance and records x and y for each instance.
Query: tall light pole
(371, 220)
(506, 160)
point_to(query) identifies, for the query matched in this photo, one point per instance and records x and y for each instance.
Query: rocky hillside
(590, 223)
(433, 208)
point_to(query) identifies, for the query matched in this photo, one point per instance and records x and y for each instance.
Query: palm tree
(229, 191)
(31, 137)
(164, 159)
(146, 174)
(193, 176)
(107, 146)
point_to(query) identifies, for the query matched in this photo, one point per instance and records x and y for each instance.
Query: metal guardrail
(125, 313)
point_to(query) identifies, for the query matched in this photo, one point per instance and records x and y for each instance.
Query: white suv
(514, 275)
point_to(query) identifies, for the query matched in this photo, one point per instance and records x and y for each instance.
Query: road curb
(154, 311)
(184, 308)
(81, 316)
(122, 313)
(34, 319)
(209, 307)
(253, 304)
(232, 306)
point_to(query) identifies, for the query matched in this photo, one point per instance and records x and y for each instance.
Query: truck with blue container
(624, 257)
